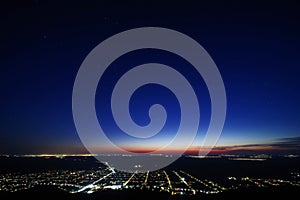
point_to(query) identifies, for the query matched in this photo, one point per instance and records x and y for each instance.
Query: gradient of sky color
(255, 46)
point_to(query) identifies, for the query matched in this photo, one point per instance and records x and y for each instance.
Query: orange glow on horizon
(197, 150)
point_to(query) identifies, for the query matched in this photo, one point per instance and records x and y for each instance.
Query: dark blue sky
(255, 46)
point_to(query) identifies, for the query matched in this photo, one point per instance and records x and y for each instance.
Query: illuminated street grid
(174, 182)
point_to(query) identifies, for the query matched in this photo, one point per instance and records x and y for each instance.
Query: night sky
(255, 46)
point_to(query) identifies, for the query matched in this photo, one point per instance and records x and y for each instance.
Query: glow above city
(256, 54)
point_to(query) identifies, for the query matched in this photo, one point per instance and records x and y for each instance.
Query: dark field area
(276, 167)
